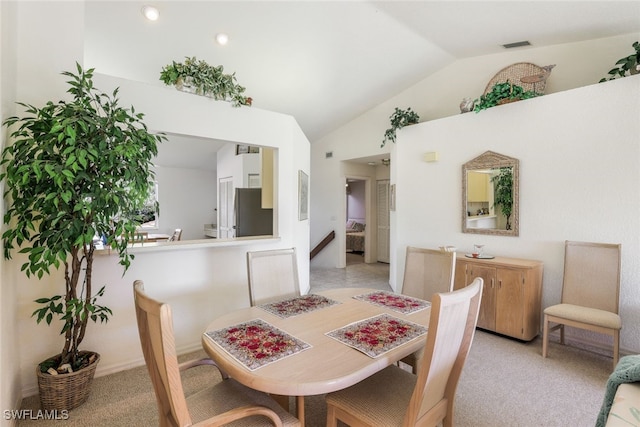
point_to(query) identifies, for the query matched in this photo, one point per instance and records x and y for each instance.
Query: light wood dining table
(328, 365)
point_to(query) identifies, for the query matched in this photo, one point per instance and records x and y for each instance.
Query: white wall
(579, 152)
(9, 380)
(199, 282)
(188, 199)
(29, 63)
(356, 207)
(438, 96)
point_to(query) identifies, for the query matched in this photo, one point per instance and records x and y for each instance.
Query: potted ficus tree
(503, 193)
(399, 119)
(75, 172)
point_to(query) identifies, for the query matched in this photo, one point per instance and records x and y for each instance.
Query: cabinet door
(487, 316)
(509, 302)
(477, 184)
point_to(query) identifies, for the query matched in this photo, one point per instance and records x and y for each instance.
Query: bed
(355, 235)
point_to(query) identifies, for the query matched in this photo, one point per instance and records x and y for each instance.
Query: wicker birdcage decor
(530, 77)
(66, 391)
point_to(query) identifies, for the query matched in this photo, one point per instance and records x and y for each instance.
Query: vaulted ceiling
(327, 62)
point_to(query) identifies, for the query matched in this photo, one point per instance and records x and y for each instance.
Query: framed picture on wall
(246, 149)
(303, 196)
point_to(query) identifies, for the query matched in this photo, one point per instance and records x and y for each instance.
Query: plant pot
(185, 84)
(507, 101)
(66, 391)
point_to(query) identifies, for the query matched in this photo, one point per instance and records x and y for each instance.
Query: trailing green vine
(398, 120)
(197, 76)
(625, 66)
(502, 93)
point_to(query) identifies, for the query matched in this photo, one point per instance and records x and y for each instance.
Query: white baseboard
(581, 341)
(103, 370)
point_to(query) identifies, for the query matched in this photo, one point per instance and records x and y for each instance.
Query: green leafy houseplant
(503, 193)
(628, 65)
(502, 93)
(398, 120)
(198, 77)
(75, 170)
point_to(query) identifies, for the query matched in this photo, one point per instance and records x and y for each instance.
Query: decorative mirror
(490, 195)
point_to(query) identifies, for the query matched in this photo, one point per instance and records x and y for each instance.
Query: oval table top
(327, 366)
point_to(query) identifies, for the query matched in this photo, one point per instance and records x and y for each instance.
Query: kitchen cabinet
(511, 296)
(477, 187)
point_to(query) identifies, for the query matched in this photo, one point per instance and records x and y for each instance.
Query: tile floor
(355, 275)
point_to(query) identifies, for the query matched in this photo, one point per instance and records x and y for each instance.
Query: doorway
(369, 171)
(225, 195)
(356, 220)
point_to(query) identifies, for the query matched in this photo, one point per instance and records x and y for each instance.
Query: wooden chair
(222, 403)
(395, 397)
(273, 275)
(590, 293)
(177, 235)
(426, 272)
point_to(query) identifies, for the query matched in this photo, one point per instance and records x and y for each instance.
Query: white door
(225, 194)
(383, 220)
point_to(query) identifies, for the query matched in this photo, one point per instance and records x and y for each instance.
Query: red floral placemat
(396, 302)
(377, 335)
(256, 343)
(299, 305)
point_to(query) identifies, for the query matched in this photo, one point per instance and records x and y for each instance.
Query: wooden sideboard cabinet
(511, 296)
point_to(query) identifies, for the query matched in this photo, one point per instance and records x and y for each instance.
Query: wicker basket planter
(508, 101)
(66, 391)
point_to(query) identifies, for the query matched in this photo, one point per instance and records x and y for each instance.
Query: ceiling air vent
(516, 44)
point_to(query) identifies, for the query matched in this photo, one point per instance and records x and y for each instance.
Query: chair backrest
(155, 327)
(177, 235)
(452, 324)
(591, 275)
(273, 275)
(428, 271)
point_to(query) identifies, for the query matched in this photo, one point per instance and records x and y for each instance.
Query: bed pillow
(350, 224)
(358, 227)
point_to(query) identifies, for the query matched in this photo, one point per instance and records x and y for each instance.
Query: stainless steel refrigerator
(250, 218)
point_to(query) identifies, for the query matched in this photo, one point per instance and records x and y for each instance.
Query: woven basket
(66, 391)
(515, 72)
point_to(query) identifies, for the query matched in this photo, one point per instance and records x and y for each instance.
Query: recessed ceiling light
(371, 163)
(222, 39)
(151, 13)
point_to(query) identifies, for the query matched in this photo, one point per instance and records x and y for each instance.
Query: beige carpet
(504, 383)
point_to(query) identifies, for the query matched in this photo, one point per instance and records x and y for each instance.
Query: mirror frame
(492, 160)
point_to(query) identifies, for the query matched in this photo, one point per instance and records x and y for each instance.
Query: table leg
(300, 406)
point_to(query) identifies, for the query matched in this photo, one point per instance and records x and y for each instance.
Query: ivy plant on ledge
(399, 119)
(196, 76)
(629, 65)
(502, 93)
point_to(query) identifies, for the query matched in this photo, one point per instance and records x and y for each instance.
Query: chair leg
(562, 334)
(616, 347)
(545, 336)
(332, 421)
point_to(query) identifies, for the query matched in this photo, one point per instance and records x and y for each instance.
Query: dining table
(317, 343)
